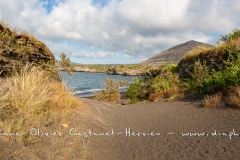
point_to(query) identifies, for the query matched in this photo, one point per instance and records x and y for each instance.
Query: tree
(65, 63)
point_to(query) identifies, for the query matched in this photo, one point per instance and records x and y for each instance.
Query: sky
(120, 31)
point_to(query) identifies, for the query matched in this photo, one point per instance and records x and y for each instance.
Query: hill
(175, 53)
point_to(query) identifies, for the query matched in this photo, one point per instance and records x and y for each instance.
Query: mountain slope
(175, 53)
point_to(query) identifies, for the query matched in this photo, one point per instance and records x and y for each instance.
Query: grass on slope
(30, 99)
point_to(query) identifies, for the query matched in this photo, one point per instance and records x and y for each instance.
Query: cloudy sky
(120, 31)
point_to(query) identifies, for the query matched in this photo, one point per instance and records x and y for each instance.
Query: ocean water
(86, 83)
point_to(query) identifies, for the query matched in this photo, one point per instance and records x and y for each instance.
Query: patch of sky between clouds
(49, 4)
(100, 3)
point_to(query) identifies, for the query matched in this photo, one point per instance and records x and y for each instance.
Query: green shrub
(154, 88)
(135, 91)
(200, 72)
(164, 82)
(218, 80)
(235, 34)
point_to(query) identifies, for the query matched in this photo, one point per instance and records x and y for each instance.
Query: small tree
(65, 63)
(111, 92)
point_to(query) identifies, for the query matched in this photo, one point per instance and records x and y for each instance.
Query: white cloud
(128, 27)
(159, 15)
(99, 54)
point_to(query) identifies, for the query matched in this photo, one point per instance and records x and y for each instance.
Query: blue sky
(120, 31)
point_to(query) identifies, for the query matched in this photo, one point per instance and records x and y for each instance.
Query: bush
(111, 92)
(212, 101)
(200, 72)
(218, 80)
(135, 91)
(164, 82)
(235, 34)
(154, 88)
(31, 99)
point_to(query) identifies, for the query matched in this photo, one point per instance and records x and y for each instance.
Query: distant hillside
(175, 53)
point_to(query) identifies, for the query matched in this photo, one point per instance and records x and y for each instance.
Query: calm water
(85, 83)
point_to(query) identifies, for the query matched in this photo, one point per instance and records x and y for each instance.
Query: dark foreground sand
(161, 124)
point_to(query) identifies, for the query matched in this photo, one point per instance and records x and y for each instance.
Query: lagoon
(86, 83)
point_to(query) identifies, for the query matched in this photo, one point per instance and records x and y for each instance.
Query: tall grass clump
(29, 99)
(233, 97)
(212, 101)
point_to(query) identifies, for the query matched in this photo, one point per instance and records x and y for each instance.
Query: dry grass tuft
(154, 96)
(171, 93)
(233, 97)
(30, 99)
(212, 101)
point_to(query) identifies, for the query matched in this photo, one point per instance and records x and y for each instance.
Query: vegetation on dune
(210, 82)
(165, 84)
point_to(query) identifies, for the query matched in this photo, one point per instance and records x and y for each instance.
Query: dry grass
(212, 101)
(195, 52)
(219, 50)
(30, 99)
(233, 97)
(171, 93)
(154, 96)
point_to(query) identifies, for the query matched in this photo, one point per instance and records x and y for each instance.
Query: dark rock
(21, 48)
(125, 72)
(213, 58)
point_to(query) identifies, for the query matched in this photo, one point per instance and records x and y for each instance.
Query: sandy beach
(215, 132)
(146, 131)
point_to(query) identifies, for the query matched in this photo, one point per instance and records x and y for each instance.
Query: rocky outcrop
(21, 48)
(214, 59)
(125, 72)
(81, 69)
(112, 70)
